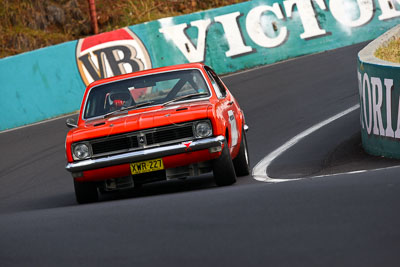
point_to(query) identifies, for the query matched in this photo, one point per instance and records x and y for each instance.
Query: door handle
(230, 103)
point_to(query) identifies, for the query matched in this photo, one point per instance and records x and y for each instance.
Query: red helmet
(119, 103)
(119, 99)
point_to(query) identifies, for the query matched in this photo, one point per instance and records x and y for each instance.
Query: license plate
(147, 166)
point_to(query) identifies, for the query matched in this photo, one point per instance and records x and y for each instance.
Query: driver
(117, 100)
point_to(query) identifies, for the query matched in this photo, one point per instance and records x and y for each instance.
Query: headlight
(203, 129)
(80, 151)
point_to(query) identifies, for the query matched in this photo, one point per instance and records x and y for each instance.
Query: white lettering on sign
(367, 88)
(233, 35)
(256, 31)
(344, 10)
(259, 20)
(389, 86)
(177, 34)
(388, 10)
(307, 16)
(377, 105)
(371, 99)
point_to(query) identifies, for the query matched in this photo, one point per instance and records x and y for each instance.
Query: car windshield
(138, 92)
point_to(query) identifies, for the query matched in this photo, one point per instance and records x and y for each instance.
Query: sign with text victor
(249, 34)
(229, 39)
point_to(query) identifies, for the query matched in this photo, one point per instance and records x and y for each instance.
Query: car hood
(140, 119)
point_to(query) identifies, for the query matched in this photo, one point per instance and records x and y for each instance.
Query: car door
(227, 109)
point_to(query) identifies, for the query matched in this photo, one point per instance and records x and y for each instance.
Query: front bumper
(146, 154)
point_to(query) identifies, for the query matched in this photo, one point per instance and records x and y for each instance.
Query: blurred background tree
(31, 24)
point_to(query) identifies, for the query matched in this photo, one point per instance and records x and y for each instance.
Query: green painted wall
(379, 88)
(39, 85)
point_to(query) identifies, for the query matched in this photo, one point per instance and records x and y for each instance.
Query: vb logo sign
(110, 54)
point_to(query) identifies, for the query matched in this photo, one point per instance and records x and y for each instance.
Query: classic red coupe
(152, 125)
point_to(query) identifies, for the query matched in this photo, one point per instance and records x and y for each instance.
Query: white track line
(260, 170)
(40, 122)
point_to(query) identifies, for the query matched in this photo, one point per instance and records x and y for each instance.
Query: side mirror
(71, 123)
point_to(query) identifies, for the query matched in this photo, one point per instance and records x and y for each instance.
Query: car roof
(148, 71)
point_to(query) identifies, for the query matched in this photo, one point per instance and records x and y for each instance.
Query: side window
(217, 84)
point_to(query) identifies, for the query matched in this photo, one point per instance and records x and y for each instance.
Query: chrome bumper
(145, 154)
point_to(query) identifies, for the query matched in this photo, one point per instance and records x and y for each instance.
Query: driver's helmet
(116, 100)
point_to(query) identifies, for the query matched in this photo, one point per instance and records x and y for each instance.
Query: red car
(158, 124)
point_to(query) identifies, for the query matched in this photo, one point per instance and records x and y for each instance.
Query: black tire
(86, 192)
(242, 160)
(224, 172)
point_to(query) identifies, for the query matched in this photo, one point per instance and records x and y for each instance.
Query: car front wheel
(86, 192)
(242, 161)
(224, 172)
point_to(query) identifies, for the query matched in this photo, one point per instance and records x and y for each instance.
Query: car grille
(142, 139)
(163, 136)
(118, 144)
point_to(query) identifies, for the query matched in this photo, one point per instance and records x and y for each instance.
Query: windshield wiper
(124, 109)
(142, 104)
(184, 97)
(109, 114)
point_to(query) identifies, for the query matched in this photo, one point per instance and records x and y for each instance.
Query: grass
(31, 24)
(390, 51)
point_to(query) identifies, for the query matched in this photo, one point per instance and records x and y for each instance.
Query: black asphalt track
(339, 220)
